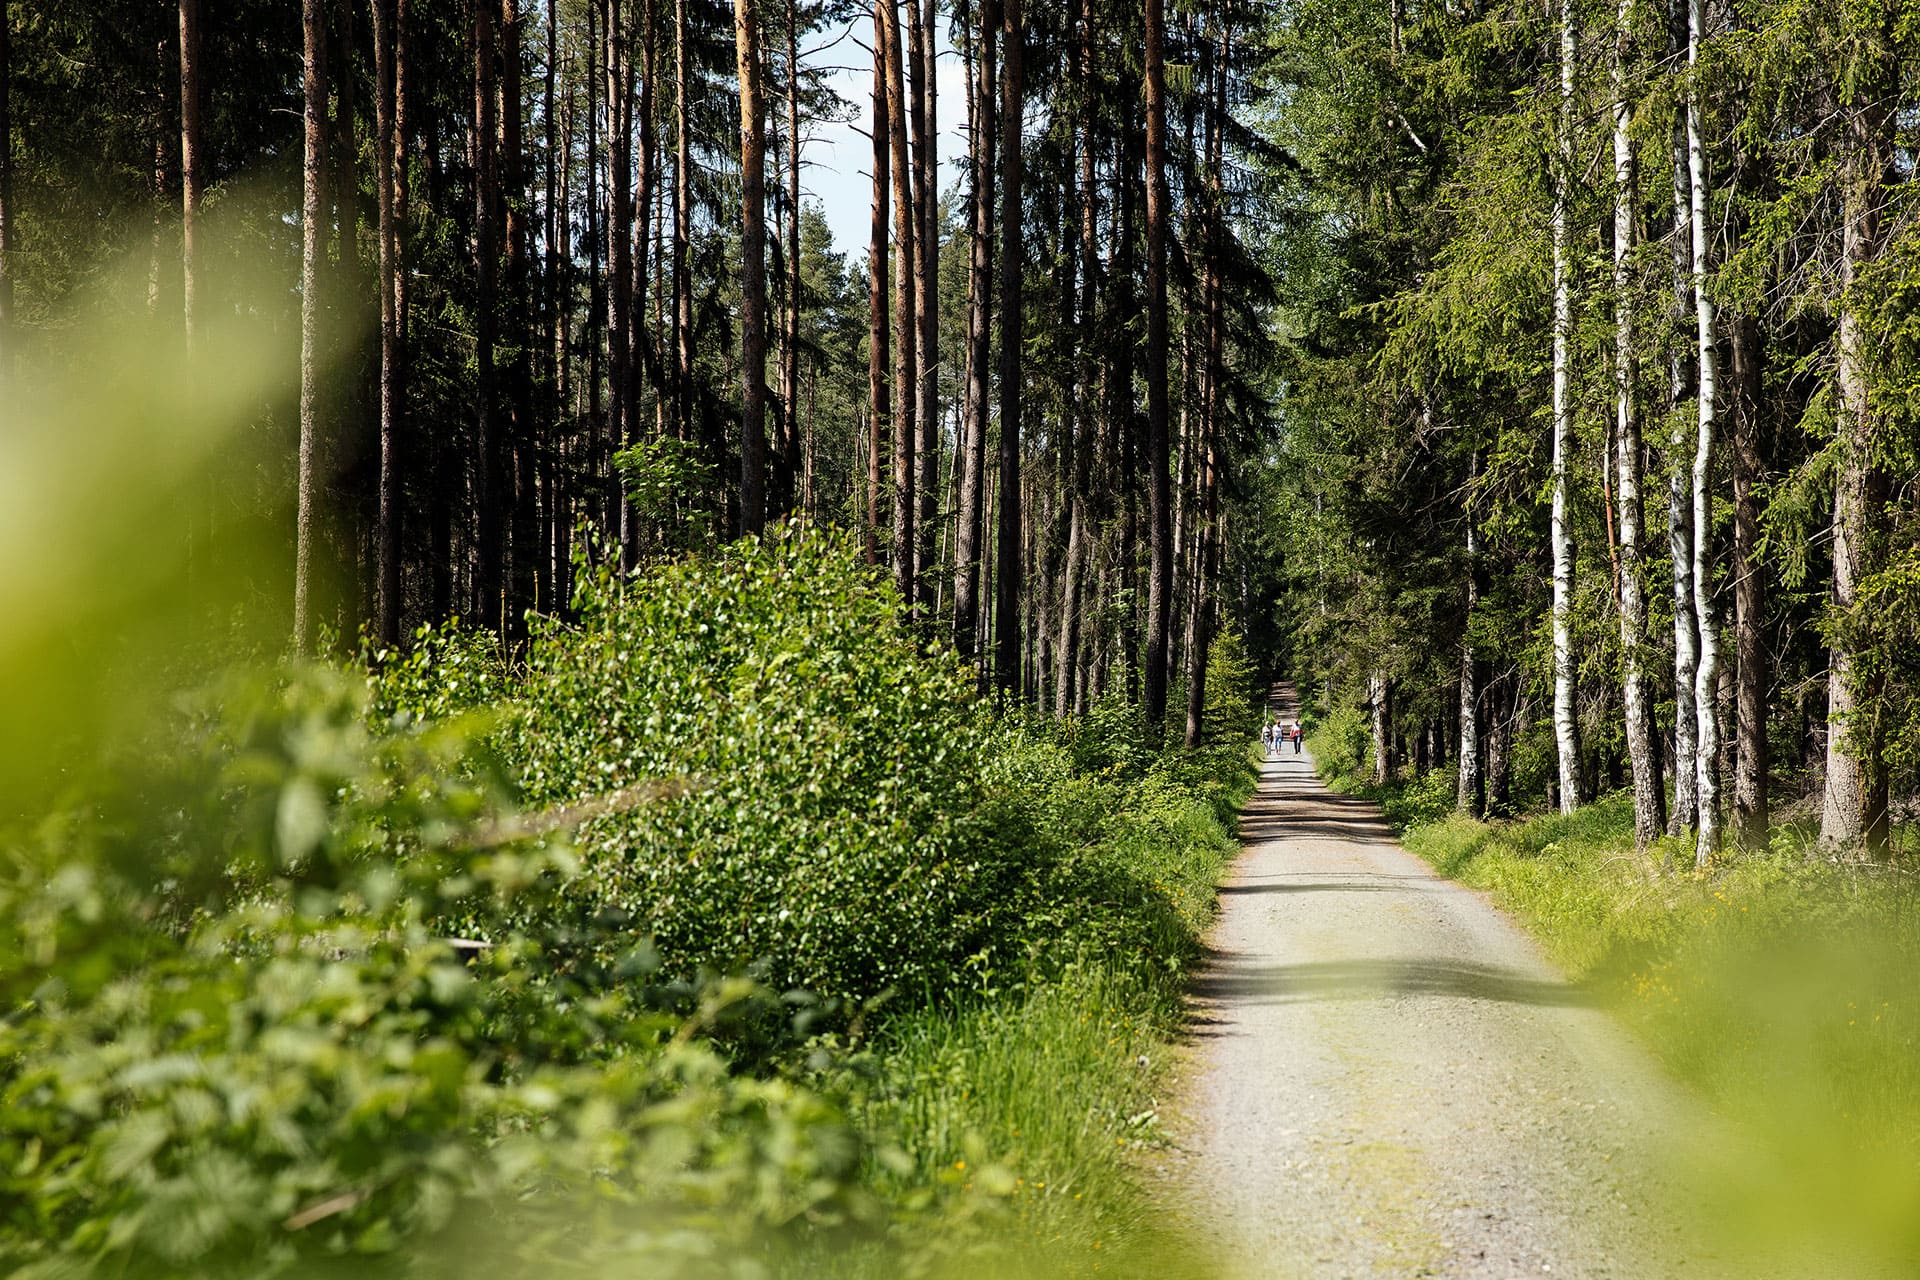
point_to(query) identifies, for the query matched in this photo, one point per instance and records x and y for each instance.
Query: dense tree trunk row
(1778, 385)
(562, 296)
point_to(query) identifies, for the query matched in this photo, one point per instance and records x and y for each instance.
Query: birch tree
(1707, 737)
(1471, 792)
(1686, 633)
(1649, 790)
(1565, 725)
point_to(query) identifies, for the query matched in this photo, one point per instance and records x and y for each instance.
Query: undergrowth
(721, 931)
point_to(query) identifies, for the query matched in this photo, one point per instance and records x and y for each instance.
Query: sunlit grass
(1044, 1101)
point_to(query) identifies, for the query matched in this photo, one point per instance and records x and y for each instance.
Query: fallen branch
(324, 1209)
(529, 826)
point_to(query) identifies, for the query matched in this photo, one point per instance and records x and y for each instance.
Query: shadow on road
(1227, 979)
(1366, 884)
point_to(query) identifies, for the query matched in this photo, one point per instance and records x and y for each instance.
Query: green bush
(1342, 746)
(836, 831)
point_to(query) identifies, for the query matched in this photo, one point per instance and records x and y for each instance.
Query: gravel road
(1389, 1080)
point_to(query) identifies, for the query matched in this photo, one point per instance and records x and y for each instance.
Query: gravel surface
(1389, 1080)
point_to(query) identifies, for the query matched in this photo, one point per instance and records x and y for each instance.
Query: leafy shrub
(1428, 797)
(1342, 745)
(447, 671)
(836, 831)
(1110, 739)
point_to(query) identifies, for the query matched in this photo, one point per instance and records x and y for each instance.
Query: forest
(487, 569)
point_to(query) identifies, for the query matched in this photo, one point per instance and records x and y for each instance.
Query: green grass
(1778, 987)
(1030, 1108)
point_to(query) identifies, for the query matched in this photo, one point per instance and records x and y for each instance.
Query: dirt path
(1388, 1079)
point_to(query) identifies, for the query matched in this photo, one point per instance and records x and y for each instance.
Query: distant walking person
(1298, 734)
(1266, 740)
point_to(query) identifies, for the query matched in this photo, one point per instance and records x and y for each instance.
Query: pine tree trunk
(313, 248)
(1649, 788)
(1159, 481)
(1508, 714)
(1754, 675)
(879, 408)
(792, 463)
(619, 258)
(682, 231)
(1565, 725)
(1207, 447)
(970, 531)
(1854, 810)
(642, 370)
(905, 329)
(926, 300)
(6, 194)
(596, 279)
(1068, 688)
(517, 457)
(1707, 740)
(191, 172)
(1122, 349)
(1007, 586)
(553, 343)
(489, 602)
(6, 198)
(346, 298)
(166, 119)
(388, 611)
(753, 273)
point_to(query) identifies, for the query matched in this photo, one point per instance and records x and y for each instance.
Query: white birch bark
(1565, 730)
(1380, 690)
(1706, 755)
(1471, 795)
(1649, 793)
(1686, 641)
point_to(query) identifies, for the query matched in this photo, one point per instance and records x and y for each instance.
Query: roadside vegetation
(723, 929)
(1777, 985)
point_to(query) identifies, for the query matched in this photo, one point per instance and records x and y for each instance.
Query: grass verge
(1038, 1095)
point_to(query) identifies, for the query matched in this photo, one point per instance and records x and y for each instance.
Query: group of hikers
(1274, 734)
